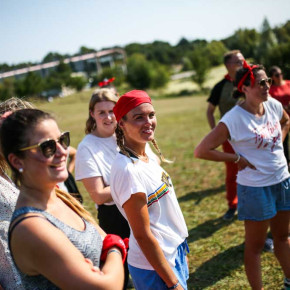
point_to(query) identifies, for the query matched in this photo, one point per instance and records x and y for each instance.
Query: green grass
(216, 246)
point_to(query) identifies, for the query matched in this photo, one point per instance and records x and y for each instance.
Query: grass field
(216, 246)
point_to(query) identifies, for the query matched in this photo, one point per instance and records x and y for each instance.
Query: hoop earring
(20, 170)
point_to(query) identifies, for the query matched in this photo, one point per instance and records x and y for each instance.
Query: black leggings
(112, 222)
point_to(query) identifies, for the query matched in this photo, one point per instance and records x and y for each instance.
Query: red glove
(114, 241)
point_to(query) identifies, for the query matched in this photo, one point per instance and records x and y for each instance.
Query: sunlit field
(216, 246)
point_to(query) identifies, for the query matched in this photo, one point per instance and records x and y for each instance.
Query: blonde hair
(100, 95)
(13, 104)
(75, 205)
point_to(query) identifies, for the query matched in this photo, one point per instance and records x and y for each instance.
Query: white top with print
(166, 220)
(259, 140)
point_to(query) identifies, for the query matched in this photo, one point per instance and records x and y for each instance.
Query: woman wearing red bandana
(256, 129)
(145, 196)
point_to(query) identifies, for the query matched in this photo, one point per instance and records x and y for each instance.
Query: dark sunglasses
(48, 147)
(263, 82)
(277, 75)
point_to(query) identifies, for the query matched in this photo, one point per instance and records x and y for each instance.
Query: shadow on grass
(207, 229)
(198, 196)
(217, 268)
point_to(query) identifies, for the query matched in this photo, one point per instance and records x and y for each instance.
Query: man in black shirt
(221, 97)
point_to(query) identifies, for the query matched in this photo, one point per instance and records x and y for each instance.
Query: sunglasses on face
(48, 147)
(264, 82)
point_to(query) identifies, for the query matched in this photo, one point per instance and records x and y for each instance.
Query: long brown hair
(100, 95)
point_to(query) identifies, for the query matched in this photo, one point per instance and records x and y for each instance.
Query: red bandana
(250, 71)
(129, 101)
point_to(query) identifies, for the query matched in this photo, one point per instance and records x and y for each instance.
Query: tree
(268, 40)
(139, 71)
(7, 89)
(33, 84)
(85, 50)
(159, 75)
(283, 33)
(246, 41)
(143, 74)
(77, 83)
(215, 51)
(279, 55)
(52, 56)
(200, 65)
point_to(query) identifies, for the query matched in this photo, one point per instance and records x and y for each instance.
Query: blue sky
(29, 29)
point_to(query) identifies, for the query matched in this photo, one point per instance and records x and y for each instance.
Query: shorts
(150, 280)
(262, 203)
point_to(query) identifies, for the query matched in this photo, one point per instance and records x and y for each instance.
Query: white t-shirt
(94, 158)
(166, 220)
(259, 140)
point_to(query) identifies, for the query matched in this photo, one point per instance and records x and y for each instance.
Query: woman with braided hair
(144, 194)
(256, 129)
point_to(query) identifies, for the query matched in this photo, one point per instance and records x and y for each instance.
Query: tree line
(150, 65)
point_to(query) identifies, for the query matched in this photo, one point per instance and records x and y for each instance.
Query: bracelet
(174, 286)
(114, 250)
(239, 157)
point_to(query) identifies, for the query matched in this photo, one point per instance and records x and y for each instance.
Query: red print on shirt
(266, 135)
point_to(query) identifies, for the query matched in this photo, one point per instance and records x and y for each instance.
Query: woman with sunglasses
(256, 128)
(145, 196)
(54, 241)
(280, 90)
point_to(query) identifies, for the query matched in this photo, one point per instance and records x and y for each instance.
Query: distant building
(91, 63)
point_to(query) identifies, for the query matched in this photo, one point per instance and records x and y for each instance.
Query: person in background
(54, 241)
(256, 129)
(9, 277)
(280, 90)
(221, 97)
(95, 155)
(144, 194)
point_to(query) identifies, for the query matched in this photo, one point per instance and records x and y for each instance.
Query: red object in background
(105, 82)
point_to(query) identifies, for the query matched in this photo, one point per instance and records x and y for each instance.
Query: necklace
(142, 157)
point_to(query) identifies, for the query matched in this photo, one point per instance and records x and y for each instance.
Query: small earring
(20, 170)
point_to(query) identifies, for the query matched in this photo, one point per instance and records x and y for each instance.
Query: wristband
(174, 286)
(111, 241)
(239, 157)
(114, 250)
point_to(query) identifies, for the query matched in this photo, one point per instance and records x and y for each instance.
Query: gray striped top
(89, 243)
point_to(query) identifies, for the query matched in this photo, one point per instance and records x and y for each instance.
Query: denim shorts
(262, 203)
(150, 280)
